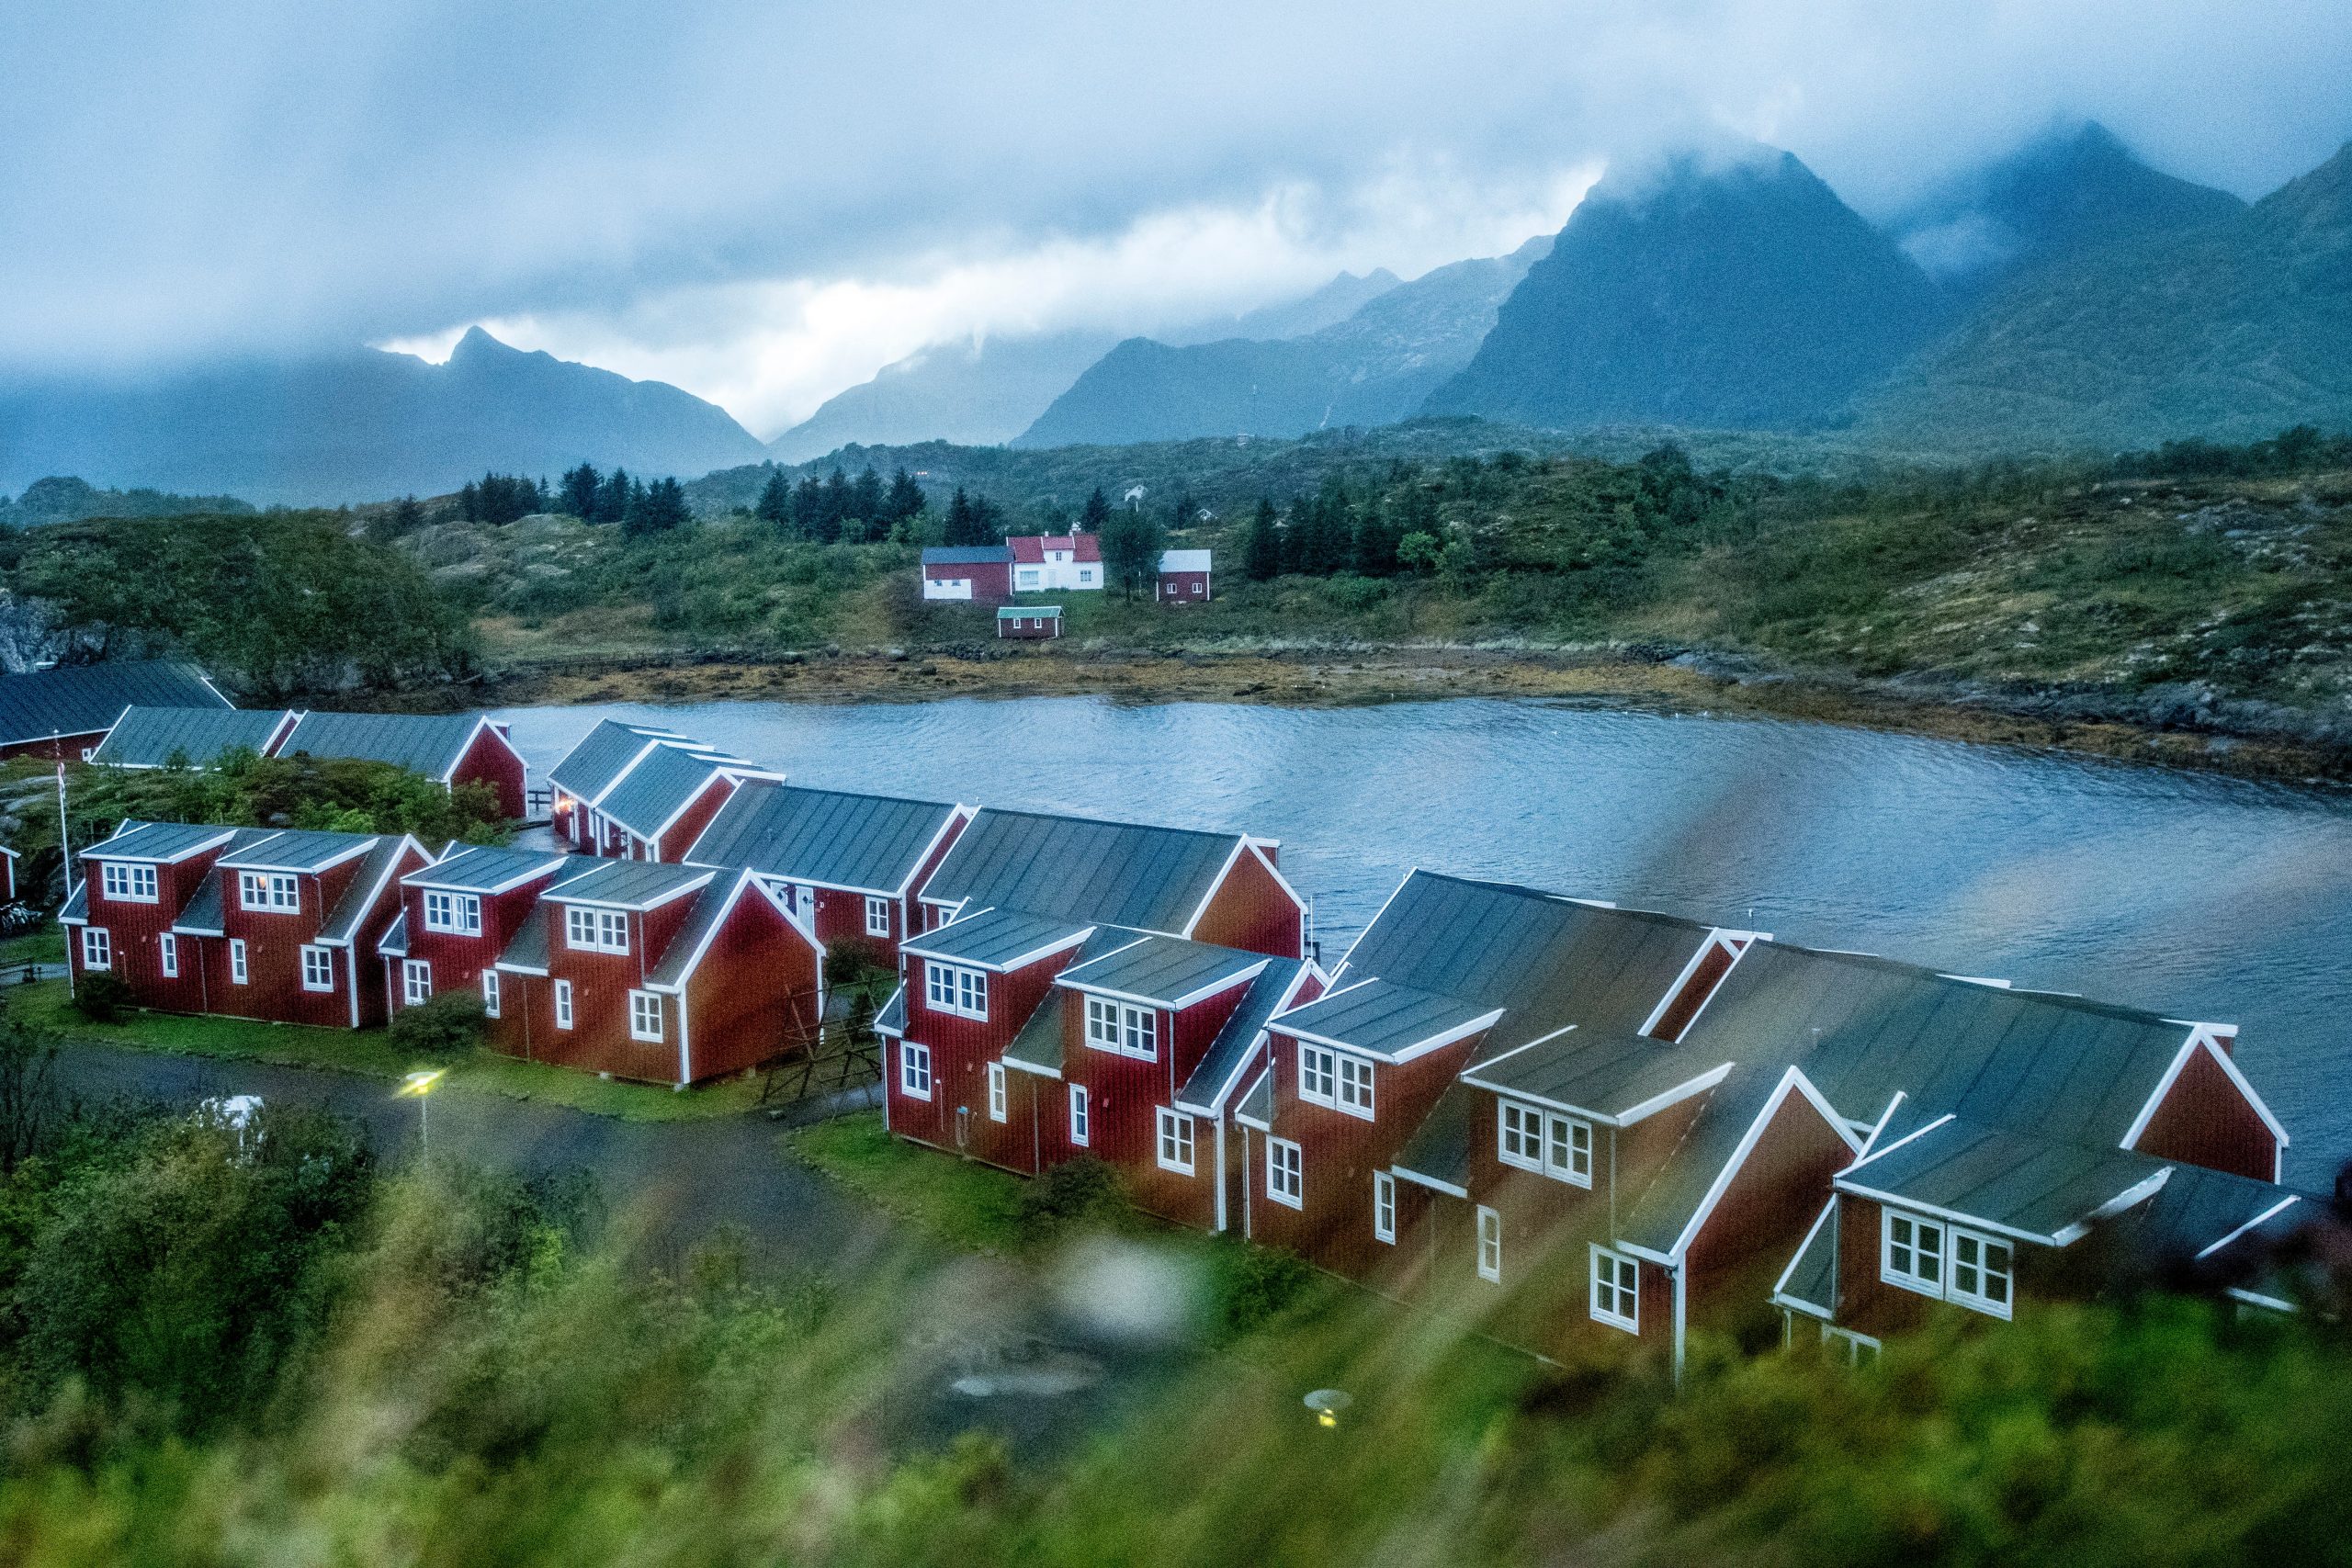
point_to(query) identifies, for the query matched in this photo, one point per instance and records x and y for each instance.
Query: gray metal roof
(968, 555)
(872, 844)
(201, 914)
(393, 943)
(1603, 1076)
(150, 738)
(590, 767)
(297, 849)
(993, 939)
(710, 906)
(2005, 1181)
(1439, 1149)
(1165, 969)
(633, 884)
(2211, 1220)
(430, 744)
(1081, 869)
(80, 699)
(527, 949)
(1220, 1071)
(660, 785)
(342, 923)
(77, 904)
(892, 1018)
(484, 869)
(1257, 1104)
(1810, 1284)
(1037, 1048)
(1658, 1215)
(1021, 611)
(1381, 1018)
(166, 841)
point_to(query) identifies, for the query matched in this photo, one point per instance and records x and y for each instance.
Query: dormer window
(127, 883)
(950, 988)
(458, 914)
(595, 930)
(1546, 1142)
(270, 892)
(1129, 1031)
(1334, 1078)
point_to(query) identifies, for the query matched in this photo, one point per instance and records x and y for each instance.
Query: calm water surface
(2203, 897)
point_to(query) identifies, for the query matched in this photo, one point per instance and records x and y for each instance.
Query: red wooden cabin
(978, 574)
(457, 916)
(593, 769)
(667, 974)
(64, 712)
(664, 800)
(449, 748)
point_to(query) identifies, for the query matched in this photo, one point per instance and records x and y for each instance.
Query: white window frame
(1911, 1252)
(878, 917)
(490, 997)
(1490, 1244)
(240, 970)
(1285, 1173)
(1355, 1085)
(1121, 1028)
(128, 881)
(1081, 1117)
(589, 929)
(955, 988)
(1384, 1207)
(1318, 1075)
(1972, 1258)
(1000, 1094)
(454, 914)
(416, 981)
(1528, 1137)
(1174, 1141)
(1854, 1349)
(646, 1017)
(1608, 1297)
(317, 957)
(914, 1070)
(167, 952)
(270, 892)
(563, 1015)
(1955, 1267)
(98, 950)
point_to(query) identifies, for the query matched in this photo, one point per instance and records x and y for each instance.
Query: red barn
(596, 767)
(64, 712)
(457, 915)
(973, 575)
(846, 863)
(666, 974)
(449, 748)
(247, 922)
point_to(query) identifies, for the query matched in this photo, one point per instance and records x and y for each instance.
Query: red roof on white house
(1030, 549)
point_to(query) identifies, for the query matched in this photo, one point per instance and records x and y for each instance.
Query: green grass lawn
(960, 1203)
(45, 946)
(371, 1054)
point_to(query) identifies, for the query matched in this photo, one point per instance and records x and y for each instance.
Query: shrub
(1079, 1191)
(445, 1024)
(1255, 1285)
(101, 998)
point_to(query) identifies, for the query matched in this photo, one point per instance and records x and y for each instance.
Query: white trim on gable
(2206, 1035)
(1793, 1081)
(2283, 1204)
(1780, 1298)
(1736, 943)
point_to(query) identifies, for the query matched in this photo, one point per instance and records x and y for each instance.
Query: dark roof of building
(711, 905)
(1663, 1210)
(1258, 1102)
(589, 768)
(201, 914)
(81, 699)
(1219, 1070)
(1381, 1018)
(995, 938)
(1603, 1077)
(167, 841)
(484, 869)
(298, 849)
(631, 884)
(343, 923)
(1038, 1047)
(892, 1018)
(1438, 1150)
(151, 738)
(1168, 970)
(2035, 1188)
(662, 785)
(871, 843)
(527, 949)
(968, 554)
(1081, 869)
(393, 943)
(1810, 1282)
(1032, 547)
(2209, 1218)
(431, 744)
(77, 904)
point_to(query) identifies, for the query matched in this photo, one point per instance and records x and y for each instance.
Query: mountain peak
(477, 344)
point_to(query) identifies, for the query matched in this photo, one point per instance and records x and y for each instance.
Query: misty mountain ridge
(361, 425)
(1374, 368)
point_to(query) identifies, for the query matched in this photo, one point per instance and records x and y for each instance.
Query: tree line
(839, 509)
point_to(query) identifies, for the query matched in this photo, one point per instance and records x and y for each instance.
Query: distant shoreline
(2092, 724)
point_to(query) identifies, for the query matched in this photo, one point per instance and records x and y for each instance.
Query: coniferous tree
(905, 500)
(1184, 514)
(657, 508)
(470, 502)
(866, 502)
(407, 515)
(611, 496)
(1375, 546)
(1262, 545)
(775, 504)
(962, 527)
(1096, 512)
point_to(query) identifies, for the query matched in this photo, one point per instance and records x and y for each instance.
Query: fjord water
(2201, 896)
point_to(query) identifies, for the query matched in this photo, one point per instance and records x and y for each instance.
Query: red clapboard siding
(492, 760)
(57, 748)
(1865, 1302)
(135, 932)
(1763, 1216)
(961, 1049)
(1250, 911)
(274, 944)
(680, 837)
(459, 961)
(2204, 1119)
(754, 994)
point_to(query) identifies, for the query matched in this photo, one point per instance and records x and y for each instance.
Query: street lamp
(1327, 1404)
(420, 1084)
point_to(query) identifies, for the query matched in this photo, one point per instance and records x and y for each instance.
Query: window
(563, 1004)
(1318, 1075)
(167, 948)
(877, 916)
(1941, 1260)
(914, 1070)
(1616, 1290)
(1544, 1141)
(1285, 1175)
(595, 930)
(996, 1091)
(950, 988)
(238, 972)
(1845, 1345)
(1081, 1116)
(1355, 1087)
(271, 891)
(1129, 1031)
(318, 969)
(1383, 1206)
(127, 883)
(645, 1016)
(416, 981)
(457, 913)
(1490, 1244)
(1175, 1141)
(489, 993)
(97, 949)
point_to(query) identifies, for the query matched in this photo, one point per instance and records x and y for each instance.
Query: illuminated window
(270, 892)
(1616, 1290)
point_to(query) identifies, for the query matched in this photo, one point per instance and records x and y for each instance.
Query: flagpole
(64, 839)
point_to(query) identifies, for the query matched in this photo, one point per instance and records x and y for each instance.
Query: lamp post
(420, 1085)
(1327, 1404)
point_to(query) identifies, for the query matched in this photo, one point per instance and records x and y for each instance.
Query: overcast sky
(764, 202)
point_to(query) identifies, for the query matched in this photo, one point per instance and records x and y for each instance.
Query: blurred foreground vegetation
(233, 1344)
